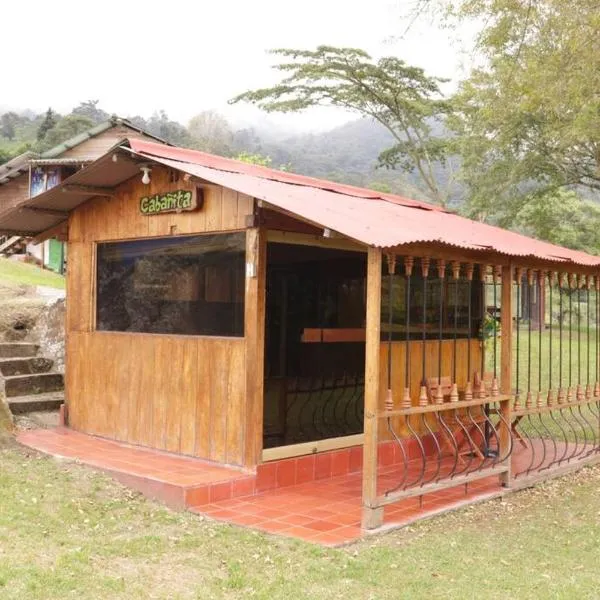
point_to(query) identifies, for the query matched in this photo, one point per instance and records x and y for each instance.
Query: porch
(316, 498)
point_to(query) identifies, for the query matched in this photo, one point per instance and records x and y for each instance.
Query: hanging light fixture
(146, 170)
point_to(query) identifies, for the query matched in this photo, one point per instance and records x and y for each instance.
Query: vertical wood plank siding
(416, 365)
(178, 393)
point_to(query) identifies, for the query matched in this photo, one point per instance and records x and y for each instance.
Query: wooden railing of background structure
(486, 433)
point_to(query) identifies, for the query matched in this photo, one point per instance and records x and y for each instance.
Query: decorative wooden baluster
(425, 262)
(519, 282)
(497, 275)
(409, 262)
(529, 398)
(455, 276)
(439, 394)
(391, 265)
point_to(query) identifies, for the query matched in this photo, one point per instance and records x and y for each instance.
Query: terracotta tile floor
(133, 460)
(326, 511)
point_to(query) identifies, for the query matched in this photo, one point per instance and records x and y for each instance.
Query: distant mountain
(347, 153)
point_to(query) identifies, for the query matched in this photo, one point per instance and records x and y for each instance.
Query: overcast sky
(188, 56)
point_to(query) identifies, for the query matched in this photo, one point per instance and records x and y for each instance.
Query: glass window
(191, 285)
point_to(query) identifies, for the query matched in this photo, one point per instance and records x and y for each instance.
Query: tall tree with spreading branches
(527, 118)
(402, 98)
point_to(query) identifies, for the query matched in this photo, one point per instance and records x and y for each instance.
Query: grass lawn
(550, 368)
(12, 271)
(68, 532)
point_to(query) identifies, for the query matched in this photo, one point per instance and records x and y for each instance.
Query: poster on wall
(43, 179)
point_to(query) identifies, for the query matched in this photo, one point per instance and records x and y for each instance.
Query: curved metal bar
(483, 439)
(404, 459)
(438, 450)
(569, 457)
(585, 438)
(494, 433)
(550, 437)
(511, 444)
(524, 432)
(539, 437)
(327, 393)
(452, 441)
(576, 451)
(565, 437)
(592, 429)
(468, 438)
(421, 449)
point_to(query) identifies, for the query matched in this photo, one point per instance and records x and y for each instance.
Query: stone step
(25, 366)
(17, 349)
(21, 405)
(37, 383)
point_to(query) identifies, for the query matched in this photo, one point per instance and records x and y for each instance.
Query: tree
(160, 125)
(67, 127)
(50, 120)
(90, 110)
(254, 159)
(8, 124)
(562, 217)
(402, 98)
(527, 118)
(211, 132)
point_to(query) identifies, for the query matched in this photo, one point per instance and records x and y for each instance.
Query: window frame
(94, 286)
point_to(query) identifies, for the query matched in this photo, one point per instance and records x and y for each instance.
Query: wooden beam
(372, 516)
(60, 232)
(71, 188)
(52, 212)
(254, 333)
(506, 374)
(304, 239)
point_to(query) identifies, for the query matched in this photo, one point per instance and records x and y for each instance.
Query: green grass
(68, 532)
(25, 274)
(550, 368)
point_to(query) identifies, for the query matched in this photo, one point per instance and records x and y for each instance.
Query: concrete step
(17, 349)
(24, 366)
(21, 405)
(37, 383)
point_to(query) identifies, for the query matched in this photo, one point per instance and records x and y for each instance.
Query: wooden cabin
(242, 315)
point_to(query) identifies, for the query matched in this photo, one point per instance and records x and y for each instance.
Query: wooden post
(372, 516)
(506, 373)
(256, 270)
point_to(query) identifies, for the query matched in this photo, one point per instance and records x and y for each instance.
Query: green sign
(177, 201)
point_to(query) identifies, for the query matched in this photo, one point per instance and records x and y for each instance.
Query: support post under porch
(372, 516)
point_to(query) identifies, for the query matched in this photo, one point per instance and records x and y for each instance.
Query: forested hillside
(348, 153)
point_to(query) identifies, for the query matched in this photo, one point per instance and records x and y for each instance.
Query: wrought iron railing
(464, 441)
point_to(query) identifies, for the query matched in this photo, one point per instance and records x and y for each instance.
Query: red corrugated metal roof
(382, 220)
(235, 166)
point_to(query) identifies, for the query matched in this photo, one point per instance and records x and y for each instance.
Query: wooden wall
(14, 191)
(178, 393)
(431, 364)
(103, 142)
